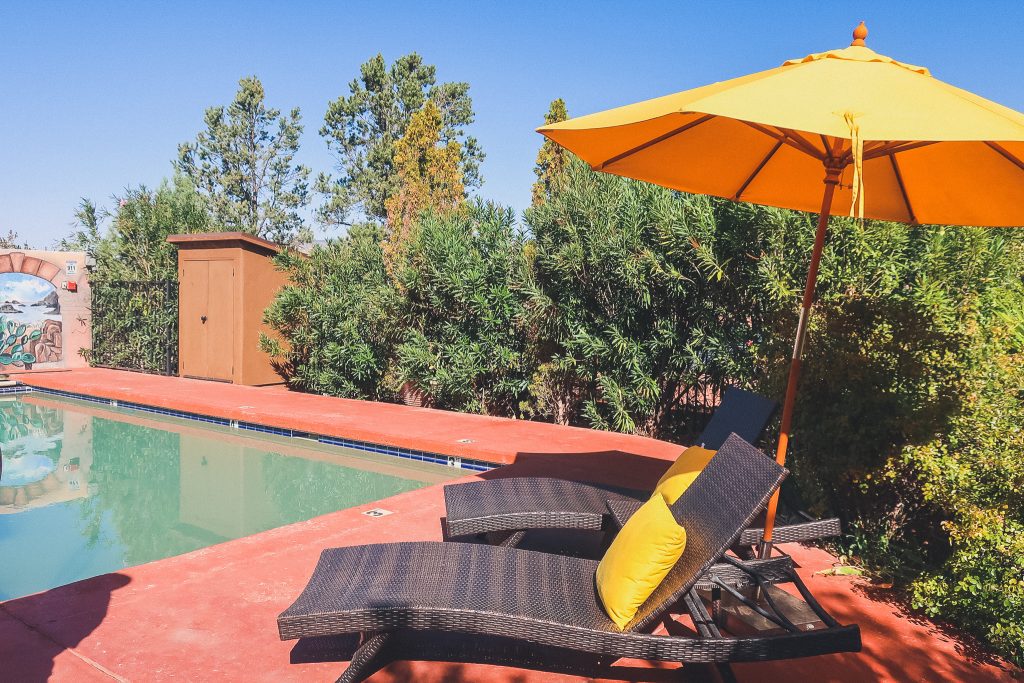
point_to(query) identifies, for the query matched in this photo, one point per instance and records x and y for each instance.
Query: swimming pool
(88, 490)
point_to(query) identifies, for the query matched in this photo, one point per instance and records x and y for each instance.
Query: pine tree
(364, 128)
(244, 163)
(551, 159)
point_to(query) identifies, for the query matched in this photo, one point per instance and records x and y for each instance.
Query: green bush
(908, 423)
(446, 324)
(974, 478)
(134, 310)
(631, 304)
(464, 345)
(338, 317)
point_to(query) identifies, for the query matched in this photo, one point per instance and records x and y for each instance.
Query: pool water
(87, 490)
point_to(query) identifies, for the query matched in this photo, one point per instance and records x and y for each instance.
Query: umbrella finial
(859, 34)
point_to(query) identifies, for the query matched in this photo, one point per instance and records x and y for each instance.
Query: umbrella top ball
(859, 35)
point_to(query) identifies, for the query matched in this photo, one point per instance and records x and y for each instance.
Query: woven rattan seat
(550, 600)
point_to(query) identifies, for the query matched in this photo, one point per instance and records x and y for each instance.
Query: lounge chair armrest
(621, 511)
(792, 533)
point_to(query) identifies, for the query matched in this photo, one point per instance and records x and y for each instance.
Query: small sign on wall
(71, 267)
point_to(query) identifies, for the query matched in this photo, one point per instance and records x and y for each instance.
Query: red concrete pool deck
(210, 614)
(492, 439)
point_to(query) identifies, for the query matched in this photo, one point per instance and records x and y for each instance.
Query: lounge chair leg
(725, 673)
(505, 539)
(371, 657)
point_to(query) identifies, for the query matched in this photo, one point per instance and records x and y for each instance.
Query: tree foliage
(630, 304)
(133, 324)
(363, 128)
(338, 317)
(244, 163)
(135, 245)
(85, 235)
(464, 342)
(428, 177)
(12, 240)
(448, 322)
(551, 159)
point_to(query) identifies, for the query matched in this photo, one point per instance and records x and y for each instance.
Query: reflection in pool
(89, 490)
(29, 468)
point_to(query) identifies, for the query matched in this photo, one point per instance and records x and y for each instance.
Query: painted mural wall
(44, 310)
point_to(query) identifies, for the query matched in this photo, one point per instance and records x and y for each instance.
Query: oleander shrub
(974, 477)
(134, 281)
(908, 423)
(337, 319)
(632, 303)
(462, 279)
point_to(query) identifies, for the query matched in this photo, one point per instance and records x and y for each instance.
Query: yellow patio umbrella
(888, 140)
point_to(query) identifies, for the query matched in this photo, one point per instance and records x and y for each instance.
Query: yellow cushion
(646, 547)
(682, 472)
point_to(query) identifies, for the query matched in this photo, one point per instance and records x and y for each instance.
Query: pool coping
(481, 440)
(457, 462)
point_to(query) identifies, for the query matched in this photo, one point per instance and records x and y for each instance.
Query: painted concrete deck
(491, 439)
(210, 614)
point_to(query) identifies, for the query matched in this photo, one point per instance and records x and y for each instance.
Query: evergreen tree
(363, 129)
(552, 157)
(428, 174)
(244, 162)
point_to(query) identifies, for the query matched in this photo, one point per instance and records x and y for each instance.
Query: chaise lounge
(502, 510)
(448, 601)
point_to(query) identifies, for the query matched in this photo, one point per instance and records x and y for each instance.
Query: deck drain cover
(377, 512)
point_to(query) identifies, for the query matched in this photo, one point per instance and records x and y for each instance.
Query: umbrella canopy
(932, 153)
(887, 139)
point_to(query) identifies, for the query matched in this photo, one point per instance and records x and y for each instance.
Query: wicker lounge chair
(534, 609)
(501, 511)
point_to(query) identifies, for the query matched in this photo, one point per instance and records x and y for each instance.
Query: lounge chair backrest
(724, 499)
(741, 412)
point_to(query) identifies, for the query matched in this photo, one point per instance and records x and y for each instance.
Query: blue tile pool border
(469, 464)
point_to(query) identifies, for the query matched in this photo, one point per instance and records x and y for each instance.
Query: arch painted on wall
(31, 323)
(17, 262)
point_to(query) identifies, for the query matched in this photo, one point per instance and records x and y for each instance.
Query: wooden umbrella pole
(832, 174)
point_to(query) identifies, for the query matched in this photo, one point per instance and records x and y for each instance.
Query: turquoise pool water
(88, 490)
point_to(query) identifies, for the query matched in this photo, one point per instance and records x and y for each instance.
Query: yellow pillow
(637, 561)
(682, 472)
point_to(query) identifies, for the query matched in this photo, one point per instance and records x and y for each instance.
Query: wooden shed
(226, 281)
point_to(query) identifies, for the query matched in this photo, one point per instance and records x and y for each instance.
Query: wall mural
(30, 322)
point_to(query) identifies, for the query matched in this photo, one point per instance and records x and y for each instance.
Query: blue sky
(26, 289)
(96, 96)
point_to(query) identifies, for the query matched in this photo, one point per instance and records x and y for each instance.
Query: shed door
(207, 319)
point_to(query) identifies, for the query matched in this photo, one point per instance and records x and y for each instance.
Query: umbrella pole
(831, 181)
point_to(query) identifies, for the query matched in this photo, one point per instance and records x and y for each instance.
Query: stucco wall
(44, 302)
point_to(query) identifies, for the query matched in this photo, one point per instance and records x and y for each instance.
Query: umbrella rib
(802, 140)
(649, 143)
(760, 167)
(786, 137)
(903, 188)
(896, 147)
(1006, 154)
(824, 142)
